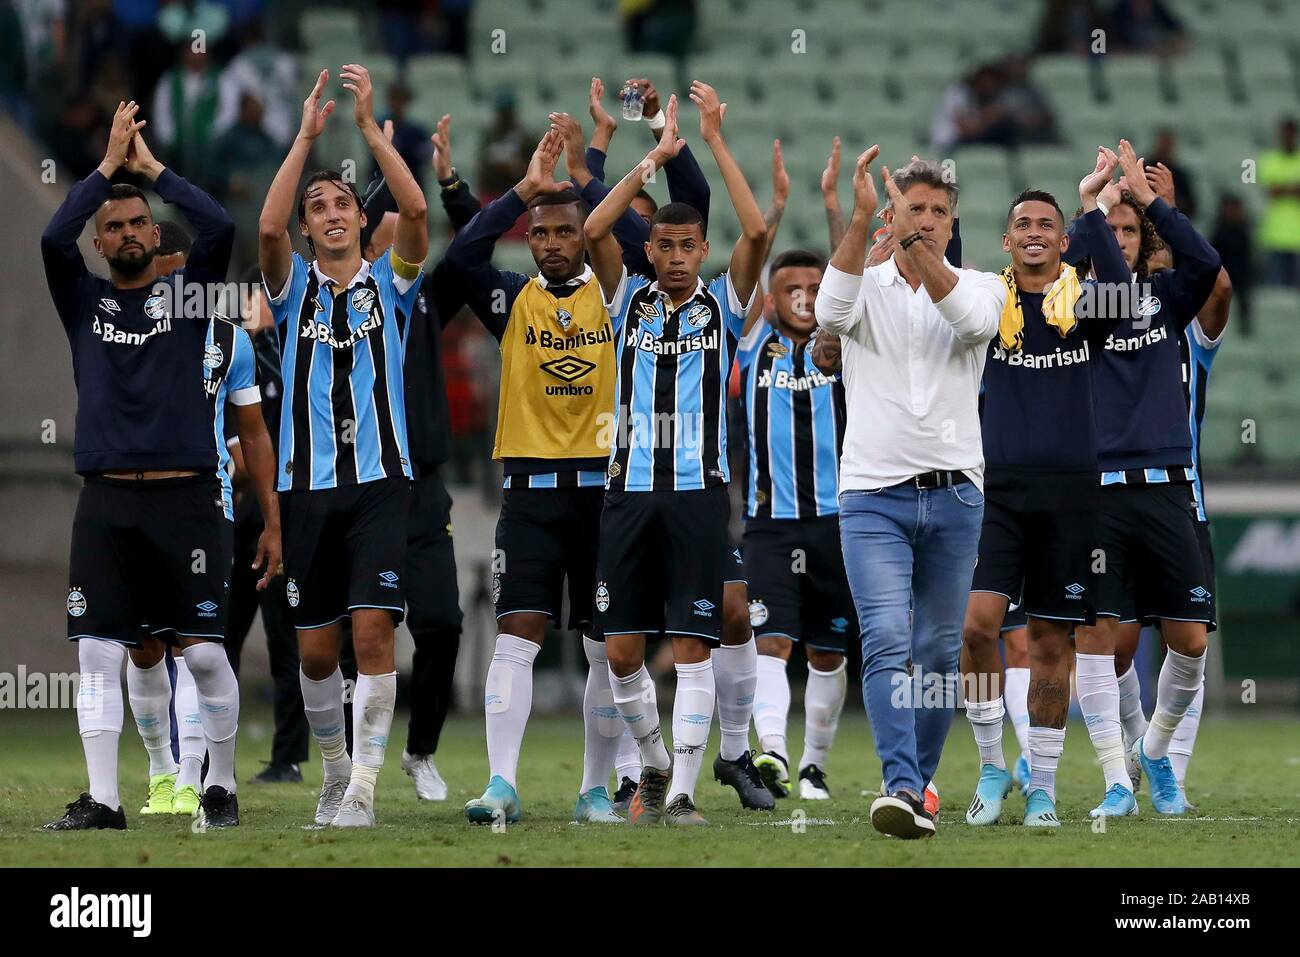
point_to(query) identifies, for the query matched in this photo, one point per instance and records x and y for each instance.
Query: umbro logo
(1074, 591)
(703, 607)
(388, 579)
(567, 368)
(207, 609)
(109, 305)
(1200, 593)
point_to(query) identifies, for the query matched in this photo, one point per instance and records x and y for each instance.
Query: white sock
(322, 702)
(189, 728)
(985, 719)
(692, 716)
(373, 701)
(772, 705)
(635, 698)
(1015, 701)
(1097, 689)
(150, 693)
(627, 764)
(508, 699)
(735, 676)
(823, 700)
(218, 692)
(1131, 719)
(1184, 739)
(1180, 679)
(1045, 747)
(100, 713)
(602, 726)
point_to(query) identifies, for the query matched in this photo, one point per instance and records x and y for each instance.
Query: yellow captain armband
(401, 268)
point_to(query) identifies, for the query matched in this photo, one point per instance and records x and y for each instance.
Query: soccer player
(150, 543)
(344, 462)
(434, 616)
(1154, 566)
(913, 335)
(1040, 508)
(735, 660)
(797, 586)
(557, 381)
(663, 530)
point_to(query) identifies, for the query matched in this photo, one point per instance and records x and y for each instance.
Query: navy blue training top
(137, 366)
(1137, 375)
(1038, 399)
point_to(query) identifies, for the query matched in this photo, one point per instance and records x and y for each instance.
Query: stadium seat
(330, 27)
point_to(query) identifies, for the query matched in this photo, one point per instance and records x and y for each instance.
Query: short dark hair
(677, 214)
(172, 239)
(565, 197)
(796, 258)
(331, 175)
(1035, 196)
(642, 194)
(127, 191)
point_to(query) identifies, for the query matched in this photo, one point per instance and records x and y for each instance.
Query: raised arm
(491, 291)
(837, 300)
(1090, 229)
(606, 257)
(605, 123)
(214, 230)
(747, 257)
(686, 181)
(780, 191)
(1196, 262)
(411, 244)
(274, 247)
(458, 200)
(831, 197)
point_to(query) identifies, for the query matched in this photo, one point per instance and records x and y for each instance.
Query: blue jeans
(910, 555)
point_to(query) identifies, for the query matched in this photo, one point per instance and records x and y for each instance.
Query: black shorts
(432, 598)
(797, 585)
(1153, 557)
(545, 536)
(735, 564)
(1036, 543)
(150, 557)
(1207, 562)
(663, 558)
(345, 548)
(1013, 619)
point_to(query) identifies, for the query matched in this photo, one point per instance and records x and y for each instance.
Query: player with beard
(150, 544)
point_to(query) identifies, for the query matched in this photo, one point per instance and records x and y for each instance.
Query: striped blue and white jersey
(794, 417)
(1199, 351)
(229, 375)
(670, 402)
(342, 346)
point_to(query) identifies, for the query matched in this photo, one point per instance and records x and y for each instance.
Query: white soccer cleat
(429, 785)
(355, 813)
(331, 799)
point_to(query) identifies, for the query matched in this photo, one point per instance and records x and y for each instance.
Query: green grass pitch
(1245, 779)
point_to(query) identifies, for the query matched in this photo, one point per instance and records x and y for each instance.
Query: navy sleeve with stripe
(490, 292)
(214, 238)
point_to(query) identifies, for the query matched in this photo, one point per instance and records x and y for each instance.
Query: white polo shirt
(912, 371)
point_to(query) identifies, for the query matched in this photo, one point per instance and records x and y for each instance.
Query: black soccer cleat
(623, 796)
(901, 814)
(812, 784)
(744, 777)
(218, 808)
(87, 814)
(278, 774)
(681, 812)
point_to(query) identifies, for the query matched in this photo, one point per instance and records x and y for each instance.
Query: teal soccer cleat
(499, 802)
(993, 787)
(595, 807)
(1040, 810)
(1166, 796)
(1020, 778)
(1118, 802)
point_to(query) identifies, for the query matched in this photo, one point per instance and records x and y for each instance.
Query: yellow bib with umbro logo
(557, 376)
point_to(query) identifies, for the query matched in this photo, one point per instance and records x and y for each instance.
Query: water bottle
(633, 102)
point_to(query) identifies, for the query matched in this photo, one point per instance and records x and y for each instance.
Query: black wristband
(451, 182)
(904, 243)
